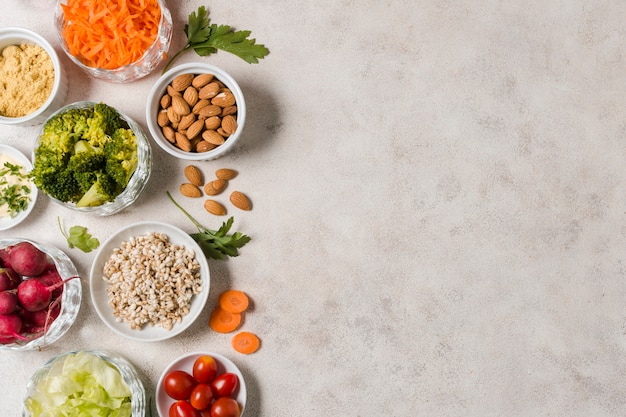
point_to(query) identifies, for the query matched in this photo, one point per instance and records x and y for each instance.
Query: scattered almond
(194, 175)
(190, 190)
(225, 173)
(215, 187)
(240, 200)
(214, 207)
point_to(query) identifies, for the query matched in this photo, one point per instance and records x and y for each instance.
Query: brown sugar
(26, 79)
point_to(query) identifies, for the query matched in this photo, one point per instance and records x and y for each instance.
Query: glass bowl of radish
(40, 294)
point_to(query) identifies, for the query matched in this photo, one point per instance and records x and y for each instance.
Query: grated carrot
(109, 34)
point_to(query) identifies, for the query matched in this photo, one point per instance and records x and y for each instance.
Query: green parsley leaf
(79, 238)
(15, 196)
(206, 39)
(216, 244)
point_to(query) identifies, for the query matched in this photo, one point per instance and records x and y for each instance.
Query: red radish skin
(4, 258)
(11, 326)
(34, 295)
(37, 323)
(8, 302)
(9, 279)
(27, 260)
(50, 276)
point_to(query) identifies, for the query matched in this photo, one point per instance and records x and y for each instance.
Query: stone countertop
(438, 225)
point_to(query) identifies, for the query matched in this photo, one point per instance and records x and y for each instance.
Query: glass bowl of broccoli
(92, 158)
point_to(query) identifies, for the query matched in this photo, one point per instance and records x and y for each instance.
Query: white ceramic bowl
(185, 363)
(100, 298)
(70, 301)
(137, 182)
(18, 36)
(160, 88)
(131, 72)
(127, 371)
(20, 158)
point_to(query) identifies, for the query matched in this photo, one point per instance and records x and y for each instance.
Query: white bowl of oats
(149, 281)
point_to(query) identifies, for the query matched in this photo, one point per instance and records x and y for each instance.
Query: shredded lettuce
(81, 385)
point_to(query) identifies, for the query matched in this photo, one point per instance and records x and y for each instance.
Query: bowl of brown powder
(33, 83)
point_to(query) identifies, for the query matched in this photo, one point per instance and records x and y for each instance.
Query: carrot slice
(245, 342)
(110, 33)
(223, 321)
(234, 301)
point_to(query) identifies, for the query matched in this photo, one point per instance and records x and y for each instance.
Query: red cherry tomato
(225, 407)
(201, 397)
(178, 384)
(204, 369)
(224, 385)
(182, 408)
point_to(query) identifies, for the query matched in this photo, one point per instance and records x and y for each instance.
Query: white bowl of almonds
(196, 112)
(163, 297)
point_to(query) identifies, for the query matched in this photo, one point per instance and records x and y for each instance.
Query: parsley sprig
(79, 238)
(215, 243)
(206, 38)
(15, 196)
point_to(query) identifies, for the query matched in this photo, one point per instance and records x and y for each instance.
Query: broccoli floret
(102, 191)
(85, 165)
(121, 156)
(85, 156)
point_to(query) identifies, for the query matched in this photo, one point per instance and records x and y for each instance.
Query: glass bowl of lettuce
(92, 158)
(92, 382)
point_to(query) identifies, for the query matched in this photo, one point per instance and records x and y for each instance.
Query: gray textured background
(438, 224)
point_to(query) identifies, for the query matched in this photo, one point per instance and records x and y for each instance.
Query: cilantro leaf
(206, 39)
(216, 244)
(79, 238)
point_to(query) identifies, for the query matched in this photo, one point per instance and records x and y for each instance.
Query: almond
(190, 190)
(223, 99)
(191, 96)
(240, 200)
(169, 133)
(209, 91)
(204, 146)
(180, 106)
(195, 129)
(229, 110)
(213, 137)
(215, 187)
(222, 132)
(225, 173)
(229, 124)
(212, 122)
(210, 110)
(162, 118)
(171, 91)
(172, 115)
(199, 105)
(182, 81)
(166, 100)
(182, 142)
(214, 207)
(186, 121)
(194, 175)
(201, 80)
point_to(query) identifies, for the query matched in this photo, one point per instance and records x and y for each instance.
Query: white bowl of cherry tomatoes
(201, 384)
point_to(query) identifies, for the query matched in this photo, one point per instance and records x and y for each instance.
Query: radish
(34, 295)
(9, 279)
(27, 260)
(51, 277)
(38, 322)
(4, 258)
(10, 327)
(8, 302)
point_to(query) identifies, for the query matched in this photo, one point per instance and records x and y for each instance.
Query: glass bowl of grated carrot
(117, 41)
